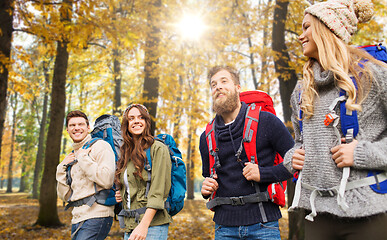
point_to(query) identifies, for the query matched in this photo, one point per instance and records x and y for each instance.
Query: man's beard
(228, 105)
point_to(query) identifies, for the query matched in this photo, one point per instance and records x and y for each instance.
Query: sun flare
(191, 27)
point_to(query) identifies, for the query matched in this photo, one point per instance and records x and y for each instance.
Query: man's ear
(238, 88)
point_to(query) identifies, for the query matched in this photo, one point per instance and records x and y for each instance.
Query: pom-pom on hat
(342, 16)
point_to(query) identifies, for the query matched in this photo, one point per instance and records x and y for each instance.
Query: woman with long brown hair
(143, 205)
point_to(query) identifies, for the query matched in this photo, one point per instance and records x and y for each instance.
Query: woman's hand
(343, 154)
(298, 159)
(118, 196)
(139, 233)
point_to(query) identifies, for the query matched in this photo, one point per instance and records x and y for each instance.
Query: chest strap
(99, 197)
(134, 214)
(239, 201)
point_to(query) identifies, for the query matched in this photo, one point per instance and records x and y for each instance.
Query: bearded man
(235, 176)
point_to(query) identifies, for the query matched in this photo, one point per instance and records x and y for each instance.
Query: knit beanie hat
(342, 16)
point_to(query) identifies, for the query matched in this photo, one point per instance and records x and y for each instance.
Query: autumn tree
(14, 105)
(42, 121)
(48, 214)
(6, 29)
(151, 60)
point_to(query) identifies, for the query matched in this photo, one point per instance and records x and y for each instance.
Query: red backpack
(257, 101)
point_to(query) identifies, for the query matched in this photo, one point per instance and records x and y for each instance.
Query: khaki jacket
(159, 188)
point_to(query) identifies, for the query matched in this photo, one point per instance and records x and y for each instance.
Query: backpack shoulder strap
(212, 148)
(68, 166)
(91, 142)
(348, 118)
(148, 168)
(250, 132)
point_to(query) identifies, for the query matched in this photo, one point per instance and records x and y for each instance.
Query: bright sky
(191, 27)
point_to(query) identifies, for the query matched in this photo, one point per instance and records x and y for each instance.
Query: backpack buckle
(326, 192)
(237, 201)
(329, 118)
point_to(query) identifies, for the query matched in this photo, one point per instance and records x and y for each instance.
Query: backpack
(257, 101)
(378, 51)
(107, 128)
(175, 200)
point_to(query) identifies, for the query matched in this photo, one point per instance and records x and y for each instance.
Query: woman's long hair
(343, 60)
(133, 149)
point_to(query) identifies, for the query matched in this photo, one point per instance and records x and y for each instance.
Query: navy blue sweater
(272, 137)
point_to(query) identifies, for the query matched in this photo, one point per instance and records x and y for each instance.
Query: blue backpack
(175, 200)
(107, 128)
(349, 121)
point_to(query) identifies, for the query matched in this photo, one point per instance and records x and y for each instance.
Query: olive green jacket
(159, 188)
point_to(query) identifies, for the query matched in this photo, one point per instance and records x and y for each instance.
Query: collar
(322, 78)
(78, 145)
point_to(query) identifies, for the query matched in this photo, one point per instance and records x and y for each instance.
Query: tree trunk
(2, 178)
(252, 63)
(43, 122)
(178, 111)
(23, 178)
(117, 82)
(6, 29)
(68, 105)
(264, 56)
(151, 62)
(190, 168)
(286, 75)
(10, 166)
(48, 212)
(287, 79)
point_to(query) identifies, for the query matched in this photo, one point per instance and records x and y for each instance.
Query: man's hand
(251, 172)
(69, 158)
(82, 152)
(298, 159)
(343, 154)
(209, 186)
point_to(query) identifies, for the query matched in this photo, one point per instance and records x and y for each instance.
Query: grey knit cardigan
(371, 152)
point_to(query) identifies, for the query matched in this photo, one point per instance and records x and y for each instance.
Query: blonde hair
(343, 60)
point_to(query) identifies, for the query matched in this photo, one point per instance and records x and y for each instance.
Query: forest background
(100, 56)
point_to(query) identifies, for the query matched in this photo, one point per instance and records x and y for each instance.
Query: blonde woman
(330, 161)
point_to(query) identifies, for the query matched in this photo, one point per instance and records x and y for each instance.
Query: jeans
(263, 231)
(154, 233)
(93, 228)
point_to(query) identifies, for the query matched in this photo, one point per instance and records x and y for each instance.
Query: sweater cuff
(360, 156)
(266, 174)
(288, 160)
